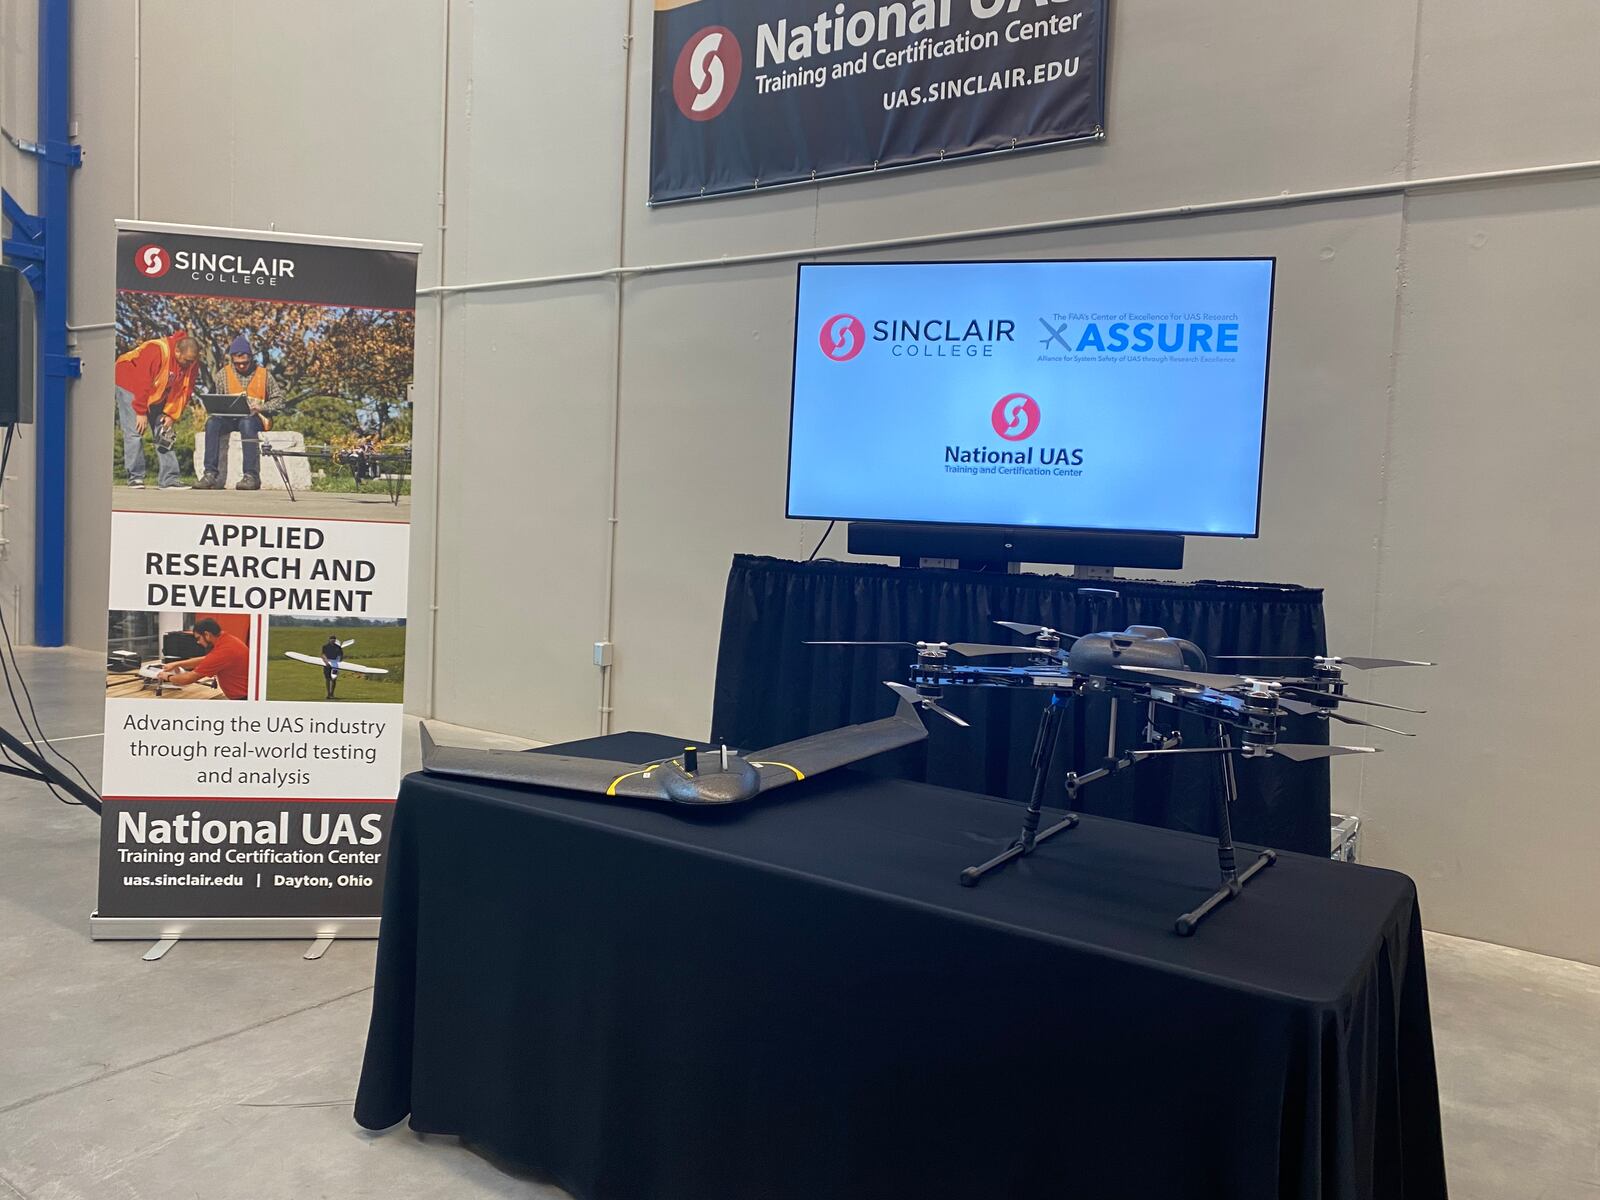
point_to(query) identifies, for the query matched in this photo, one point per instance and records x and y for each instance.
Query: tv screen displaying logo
(1112, 395)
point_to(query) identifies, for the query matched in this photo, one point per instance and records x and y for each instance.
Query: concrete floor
(228, 1070)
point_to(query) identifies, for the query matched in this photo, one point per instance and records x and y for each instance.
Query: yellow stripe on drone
(612, 790)
(798, 773)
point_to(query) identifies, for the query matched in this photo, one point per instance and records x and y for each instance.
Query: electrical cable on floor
(21, 758)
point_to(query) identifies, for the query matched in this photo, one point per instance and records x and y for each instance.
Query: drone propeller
(1221, 683)
(911, 695)
(1305, 708)
(1360, 664)
(1289, 750)
(965, 649)
(1299, 753)
(1342, 698)
(901, 645)
(1224, 683)
(1036, 630)
(979, 649)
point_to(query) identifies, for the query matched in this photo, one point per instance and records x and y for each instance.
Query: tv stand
(1000, 550)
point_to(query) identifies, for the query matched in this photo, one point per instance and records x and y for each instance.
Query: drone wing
(341, 665)
(601, 776)
(774, 767)
(348, 642)
(336, 664)
(807, 756)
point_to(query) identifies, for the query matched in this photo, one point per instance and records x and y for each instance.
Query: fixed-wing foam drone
(123, 667)
(696, 777)
(331, 667)
(1145, 665)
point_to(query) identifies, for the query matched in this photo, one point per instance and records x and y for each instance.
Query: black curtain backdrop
(772, 687)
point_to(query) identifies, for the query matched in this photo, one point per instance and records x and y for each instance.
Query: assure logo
(151, 261)
(1015, 417)
(707, 74)
(843, 337)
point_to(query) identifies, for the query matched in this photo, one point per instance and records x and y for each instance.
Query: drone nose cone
(712, 786)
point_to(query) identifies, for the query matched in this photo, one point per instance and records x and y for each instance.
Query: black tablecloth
(796, 999)
(771, 687)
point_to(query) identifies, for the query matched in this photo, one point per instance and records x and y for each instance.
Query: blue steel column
(56, 164)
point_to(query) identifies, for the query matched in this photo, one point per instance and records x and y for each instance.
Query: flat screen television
(1125, 395)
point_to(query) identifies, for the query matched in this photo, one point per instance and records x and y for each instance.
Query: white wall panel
(188, 101)
(524, 502)
(1506, 87)
(705, 423)
(1491, 564)
(102, 191)
(323, 118)
(537, 134)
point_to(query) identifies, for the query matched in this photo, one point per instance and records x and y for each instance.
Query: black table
(797, 999)
(771, 687)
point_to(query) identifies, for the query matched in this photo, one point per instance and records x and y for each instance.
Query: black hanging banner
(757, 93)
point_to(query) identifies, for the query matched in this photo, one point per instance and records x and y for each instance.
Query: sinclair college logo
(707, 73)
(842, 337)
(1016, 417)
(152, 261)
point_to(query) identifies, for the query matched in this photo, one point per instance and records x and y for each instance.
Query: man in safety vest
(241, 376)
(154, 382)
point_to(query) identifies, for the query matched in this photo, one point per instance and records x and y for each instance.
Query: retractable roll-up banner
(759, 93)
(260, 454)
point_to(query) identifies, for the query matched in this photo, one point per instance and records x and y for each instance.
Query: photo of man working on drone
(241, 375)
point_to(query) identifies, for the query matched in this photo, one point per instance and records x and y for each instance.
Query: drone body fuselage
(1100, 654)
(709, 783)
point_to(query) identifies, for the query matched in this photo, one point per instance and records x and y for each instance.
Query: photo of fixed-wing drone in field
(331, 660)
(1141, 665)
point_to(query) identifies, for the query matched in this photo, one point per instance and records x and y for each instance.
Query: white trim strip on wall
(1250, 204)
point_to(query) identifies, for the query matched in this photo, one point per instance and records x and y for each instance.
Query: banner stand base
(166, 932)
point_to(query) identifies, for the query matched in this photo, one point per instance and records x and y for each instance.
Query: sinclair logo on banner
(760, 93)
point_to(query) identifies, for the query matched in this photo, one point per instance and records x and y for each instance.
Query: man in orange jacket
(154, 382)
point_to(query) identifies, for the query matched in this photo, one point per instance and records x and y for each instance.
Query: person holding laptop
(242, 376)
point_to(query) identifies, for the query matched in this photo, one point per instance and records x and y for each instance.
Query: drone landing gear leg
(283, 471)
(1044, 750)
(1233, 879)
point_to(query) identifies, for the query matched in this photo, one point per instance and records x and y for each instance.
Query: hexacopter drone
(1143, 664)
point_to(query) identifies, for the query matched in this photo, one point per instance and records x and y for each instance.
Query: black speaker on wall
(16, 348)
